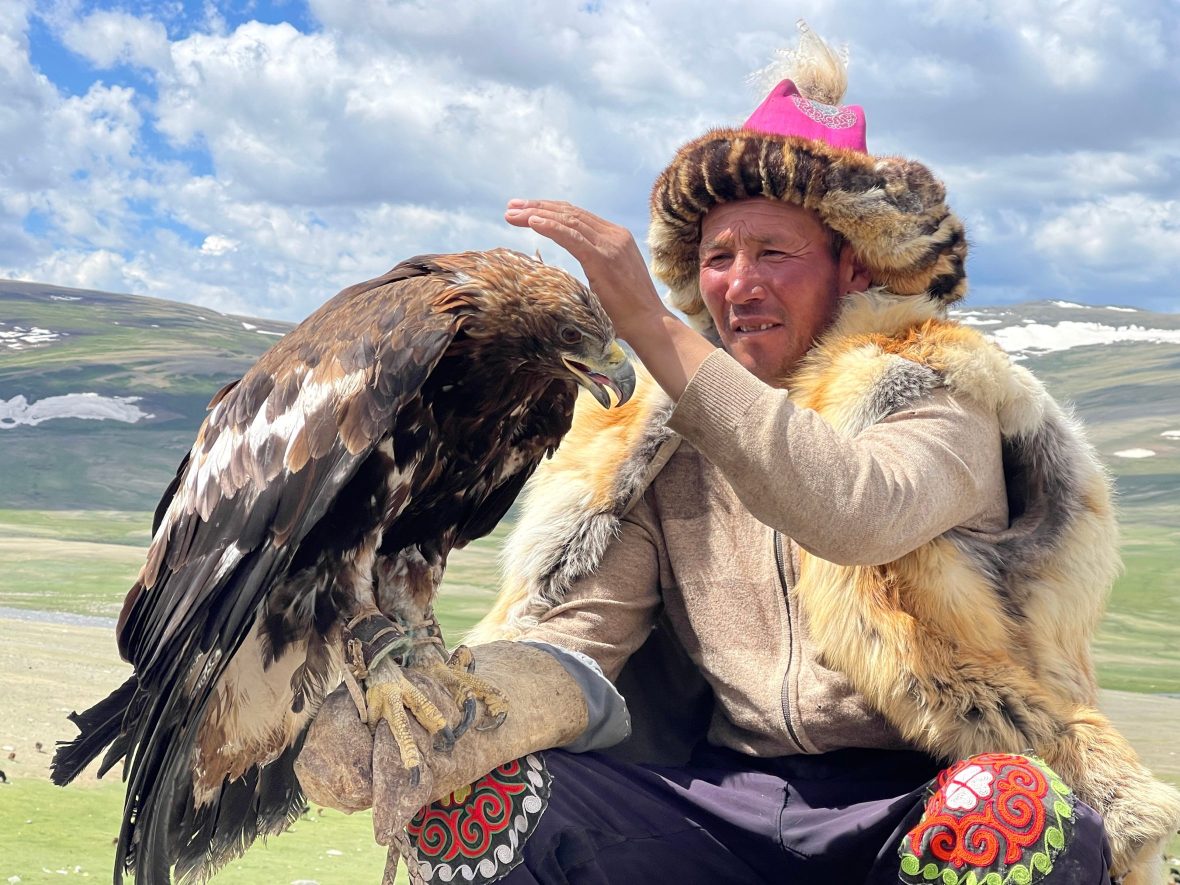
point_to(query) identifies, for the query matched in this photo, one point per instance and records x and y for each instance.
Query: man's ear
(851, 274)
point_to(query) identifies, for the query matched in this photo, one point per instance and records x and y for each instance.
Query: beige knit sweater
(701, 546)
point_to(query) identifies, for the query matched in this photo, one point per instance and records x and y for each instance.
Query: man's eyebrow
(725, 241)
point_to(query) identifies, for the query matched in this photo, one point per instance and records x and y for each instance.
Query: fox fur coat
(968, 644)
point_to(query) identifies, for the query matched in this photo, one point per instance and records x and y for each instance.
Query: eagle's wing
(275, 450)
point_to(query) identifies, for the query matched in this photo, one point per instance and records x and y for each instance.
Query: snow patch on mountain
(88, 406)
(1135, 453)
(20, 337)
(1039, 338)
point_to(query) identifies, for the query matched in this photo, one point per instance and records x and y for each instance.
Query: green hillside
(172, 357)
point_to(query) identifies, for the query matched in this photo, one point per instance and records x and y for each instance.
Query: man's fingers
(547, 205)
(570, 239)
(569, 221)
(594, 239)
(567, 232)
(555, 214)
(561, 212)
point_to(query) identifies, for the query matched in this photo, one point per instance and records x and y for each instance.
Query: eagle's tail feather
(102, 724)
(265, 801)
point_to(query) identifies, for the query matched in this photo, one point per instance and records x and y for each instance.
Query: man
(850, 546)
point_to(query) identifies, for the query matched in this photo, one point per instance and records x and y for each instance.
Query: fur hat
(802, 147)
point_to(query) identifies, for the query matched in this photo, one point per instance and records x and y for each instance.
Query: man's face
(770, 281)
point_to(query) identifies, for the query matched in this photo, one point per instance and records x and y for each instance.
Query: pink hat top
(786, 112)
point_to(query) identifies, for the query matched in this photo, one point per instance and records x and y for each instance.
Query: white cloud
(96, 269)
(96, 131)
(218, 245)
(1083, 42)
(107, 38)
(397, 127)
(291, 119)
(1129, 237)
(27, 96)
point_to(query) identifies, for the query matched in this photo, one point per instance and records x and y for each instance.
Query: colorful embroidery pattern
(475, 834)
(829, 115)
(994, 819)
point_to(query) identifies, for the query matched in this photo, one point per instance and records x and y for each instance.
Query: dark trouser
(725, 818)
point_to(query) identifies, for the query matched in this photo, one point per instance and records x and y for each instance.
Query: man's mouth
(750, 328)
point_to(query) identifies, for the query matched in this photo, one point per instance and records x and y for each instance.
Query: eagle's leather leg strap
(378, 637)
(354, 670)
(429, 647)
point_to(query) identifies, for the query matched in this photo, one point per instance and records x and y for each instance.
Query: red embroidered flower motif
(986, 809)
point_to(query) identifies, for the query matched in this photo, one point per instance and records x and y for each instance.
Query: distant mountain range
(101, 394)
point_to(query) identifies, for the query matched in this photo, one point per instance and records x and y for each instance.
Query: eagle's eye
(569, 335)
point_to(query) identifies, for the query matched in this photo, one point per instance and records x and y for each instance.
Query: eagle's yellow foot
(457, 675)
(388, 700)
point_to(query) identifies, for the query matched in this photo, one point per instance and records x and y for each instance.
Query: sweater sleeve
(609, 613)
(865, 500)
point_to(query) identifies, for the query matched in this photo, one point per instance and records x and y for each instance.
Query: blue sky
(256, 157)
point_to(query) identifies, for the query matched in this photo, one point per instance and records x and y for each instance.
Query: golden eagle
(306, 532)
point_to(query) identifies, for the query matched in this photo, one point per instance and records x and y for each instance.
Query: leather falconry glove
(556, 698)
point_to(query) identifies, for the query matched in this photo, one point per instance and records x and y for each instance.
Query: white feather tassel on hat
(818, 72)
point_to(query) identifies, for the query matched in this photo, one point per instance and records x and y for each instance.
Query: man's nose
(745, 281)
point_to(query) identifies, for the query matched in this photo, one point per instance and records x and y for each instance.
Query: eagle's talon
(415, 775)
(495, 723)
(444, 740)
(461, 660)
(469, 691)
(470, 707)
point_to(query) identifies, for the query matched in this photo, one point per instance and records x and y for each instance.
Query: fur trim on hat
(892, 211)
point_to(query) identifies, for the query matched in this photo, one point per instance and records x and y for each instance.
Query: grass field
(81, 563)
(48, 669)
(1138, 645)
(328, 848)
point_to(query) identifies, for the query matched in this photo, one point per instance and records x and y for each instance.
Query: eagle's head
(548, 322)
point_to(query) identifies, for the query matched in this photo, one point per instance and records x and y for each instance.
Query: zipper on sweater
(781, 569)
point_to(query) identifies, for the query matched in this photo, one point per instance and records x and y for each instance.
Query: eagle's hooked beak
(614, 371)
